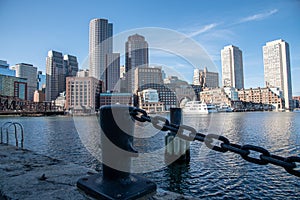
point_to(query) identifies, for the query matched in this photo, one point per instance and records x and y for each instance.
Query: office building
(109, 98)
(28, 71)
(206, 78)
(41, 81)
(100, 44)
(82, 94)
(277, 71)
(232, 67)
(70, 65)
(147, 76)
(58, 67)
(166, 95)
(13, 86)
(55, 75)
(136, 55)
(149, 101)
(4, 69)
(83, 73)
(112, 71)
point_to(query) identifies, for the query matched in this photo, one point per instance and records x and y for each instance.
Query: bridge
(16, 106)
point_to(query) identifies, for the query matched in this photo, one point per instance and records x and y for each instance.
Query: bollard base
(132, 187)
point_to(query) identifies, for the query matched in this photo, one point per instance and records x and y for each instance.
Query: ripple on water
(210, 175)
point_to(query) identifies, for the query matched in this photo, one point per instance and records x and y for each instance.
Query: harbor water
(209, 174)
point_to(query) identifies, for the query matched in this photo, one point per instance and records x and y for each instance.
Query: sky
(30, 28)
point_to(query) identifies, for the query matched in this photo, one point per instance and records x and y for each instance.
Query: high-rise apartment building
(206, 78)
(112, 71)
(232, 67)
(100, 44)
(28, 71)
(136, 55)
(277, 69)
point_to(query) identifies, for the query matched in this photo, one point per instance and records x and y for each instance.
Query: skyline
(28, 37)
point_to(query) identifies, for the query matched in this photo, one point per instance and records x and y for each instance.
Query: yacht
(198, 107)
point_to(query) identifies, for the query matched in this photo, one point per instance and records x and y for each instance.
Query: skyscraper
(232, 67)
(28, 71)
(55, 75)
(100, 44)
(112, 71)
(136, 55)
(70, 65)
(58, 67)
(276, 56)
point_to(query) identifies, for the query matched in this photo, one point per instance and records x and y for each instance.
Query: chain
(190, 134)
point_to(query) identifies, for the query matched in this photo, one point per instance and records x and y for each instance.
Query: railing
(116, 181)
(188, 133)
(5, 129)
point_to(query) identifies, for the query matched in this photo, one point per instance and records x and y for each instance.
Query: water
(210, 174)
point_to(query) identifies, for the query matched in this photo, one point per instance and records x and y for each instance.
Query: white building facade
(277, 71)
(100, 44)
(232, 67)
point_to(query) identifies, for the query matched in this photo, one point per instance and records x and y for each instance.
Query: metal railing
(220, 143)
(5, 129)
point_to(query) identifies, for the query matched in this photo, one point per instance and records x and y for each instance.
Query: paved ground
(28, 175)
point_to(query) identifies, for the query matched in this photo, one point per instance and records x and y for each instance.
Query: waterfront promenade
(25, 175)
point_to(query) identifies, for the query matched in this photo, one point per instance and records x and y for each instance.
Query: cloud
(203, 29)
(258, 16)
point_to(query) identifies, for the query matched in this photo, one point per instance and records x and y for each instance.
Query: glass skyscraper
(136, 55)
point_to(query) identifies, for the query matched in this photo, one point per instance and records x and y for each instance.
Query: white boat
(198, 107)
(224, 108)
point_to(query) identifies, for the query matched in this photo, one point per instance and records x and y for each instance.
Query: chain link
(190, 134)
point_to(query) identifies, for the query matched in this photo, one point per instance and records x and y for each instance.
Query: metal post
(177, 149)
(116, 181)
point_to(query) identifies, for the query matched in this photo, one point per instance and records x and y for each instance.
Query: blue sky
(30, 28)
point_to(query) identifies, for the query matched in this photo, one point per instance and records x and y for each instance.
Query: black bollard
(116, 181)
(177, 150)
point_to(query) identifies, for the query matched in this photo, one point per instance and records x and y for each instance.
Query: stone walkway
(27, 175)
